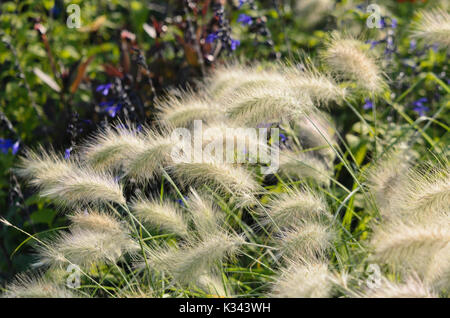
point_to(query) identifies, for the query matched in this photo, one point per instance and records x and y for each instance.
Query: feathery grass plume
(321, 87)
(5, 222)
(347, 58)
(85, 247)
(221, 135)
(309, 240)
(109, 148)
(413, 287)
(302, 280)
(84, 186)
(424, 194)
(220, 177)
(318, 133)
(438, 271)
(299, 165)
(264, 103)
(313, 11)
(297, 207)
(204, 215)
(96, 221)
(384, 178)
(43, 168)
(433, 27)
(196, 257)
(213, 285)
(163, 215)
(146, 163)
(181, 111)
(410, 246)
(68, 183)
(226, 80)
(36, 286)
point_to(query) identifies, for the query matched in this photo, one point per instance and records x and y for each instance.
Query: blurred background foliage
(59, 84)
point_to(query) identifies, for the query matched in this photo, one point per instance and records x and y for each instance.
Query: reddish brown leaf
(112, 70)
(80, 74)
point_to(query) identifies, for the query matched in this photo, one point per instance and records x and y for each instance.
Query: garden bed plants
(225, 149)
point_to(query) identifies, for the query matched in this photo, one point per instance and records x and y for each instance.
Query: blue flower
(373, 43)
(15, 147)
(420, 108)
(111, 108)
(181, 201)
(368, 104)
(283, 138)
(104, 88)
(6, 144)
(55, 11)
(245, 19)
(412, 44)
(108, 103)
(67, 153)
(241, 3)
(394, 23)
(234, 44)
(420, 101)
(212, 37)
(390, 41)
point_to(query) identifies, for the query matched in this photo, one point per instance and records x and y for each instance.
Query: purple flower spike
(420, 101)
(234, 44)
(373, 43)
(181, 201)
(6, 144)
(15, 147)
(368, 104)
(67, 153)
(245, 19)
(390, 41)
(108, 103)
(212, 37)
(104, 88)
(394, 23)
(420, 108)
(113, 110)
